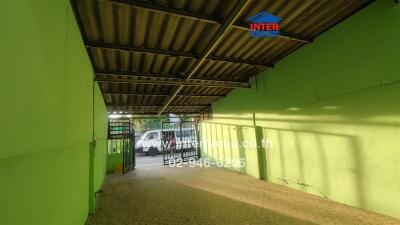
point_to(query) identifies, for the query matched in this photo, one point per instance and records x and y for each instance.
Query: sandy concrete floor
(148, 161)
(155, 194)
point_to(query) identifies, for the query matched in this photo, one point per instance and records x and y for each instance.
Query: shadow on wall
(333, 158)
(228, 144)
(331, 113)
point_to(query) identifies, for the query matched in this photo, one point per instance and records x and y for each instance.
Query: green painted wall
(100, 135)
(331, 111)
(46, 116)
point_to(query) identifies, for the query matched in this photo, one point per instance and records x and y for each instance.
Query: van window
(152, 135)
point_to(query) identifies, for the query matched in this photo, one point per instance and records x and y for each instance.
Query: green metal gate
(121, 137)
(179, 141)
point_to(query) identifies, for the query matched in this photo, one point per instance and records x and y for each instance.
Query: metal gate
(122, 137)
(179, 141)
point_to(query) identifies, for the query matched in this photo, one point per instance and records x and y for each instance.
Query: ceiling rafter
(119, 30)
(149, 113)
(195, 16)
(161, 94)
(175, 81)
(142, 105)
(169, 82)
(216, 39)
(141, 75)
(90, 44)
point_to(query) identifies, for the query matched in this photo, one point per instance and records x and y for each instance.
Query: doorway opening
(121, 145)
(162, 139)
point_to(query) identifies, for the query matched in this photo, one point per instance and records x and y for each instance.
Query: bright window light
(114, 116)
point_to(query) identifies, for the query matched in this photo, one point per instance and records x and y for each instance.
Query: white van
(151, 141)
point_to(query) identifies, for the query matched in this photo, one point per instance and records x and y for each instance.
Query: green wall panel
(100, 135)
(45, 188)
(330, 111)
(46, 116)
(220, 143)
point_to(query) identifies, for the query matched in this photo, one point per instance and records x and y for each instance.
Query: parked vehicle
(154, 141)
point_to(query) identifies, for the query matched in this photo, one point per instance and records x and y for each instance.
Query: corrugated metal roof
(142, 51)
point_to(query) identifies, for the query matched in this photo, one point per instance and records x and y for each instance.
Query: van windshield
(151, 135)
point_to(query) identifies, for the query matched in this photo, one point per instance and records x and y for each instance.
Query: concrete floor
(155, 194)
(143, 161)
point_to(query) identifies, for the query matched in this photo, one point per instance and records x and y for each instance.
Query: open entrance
(147, 140)
(156, 141)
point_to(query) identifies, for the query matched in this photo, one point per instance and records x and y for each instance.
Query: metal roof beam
(92, 44)
(195, 16)
(135, 105)
(153, 113)
(160, 94)
(135, 93)
(181, 82)
(172, 53)
(216, 39)
(163, 77)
